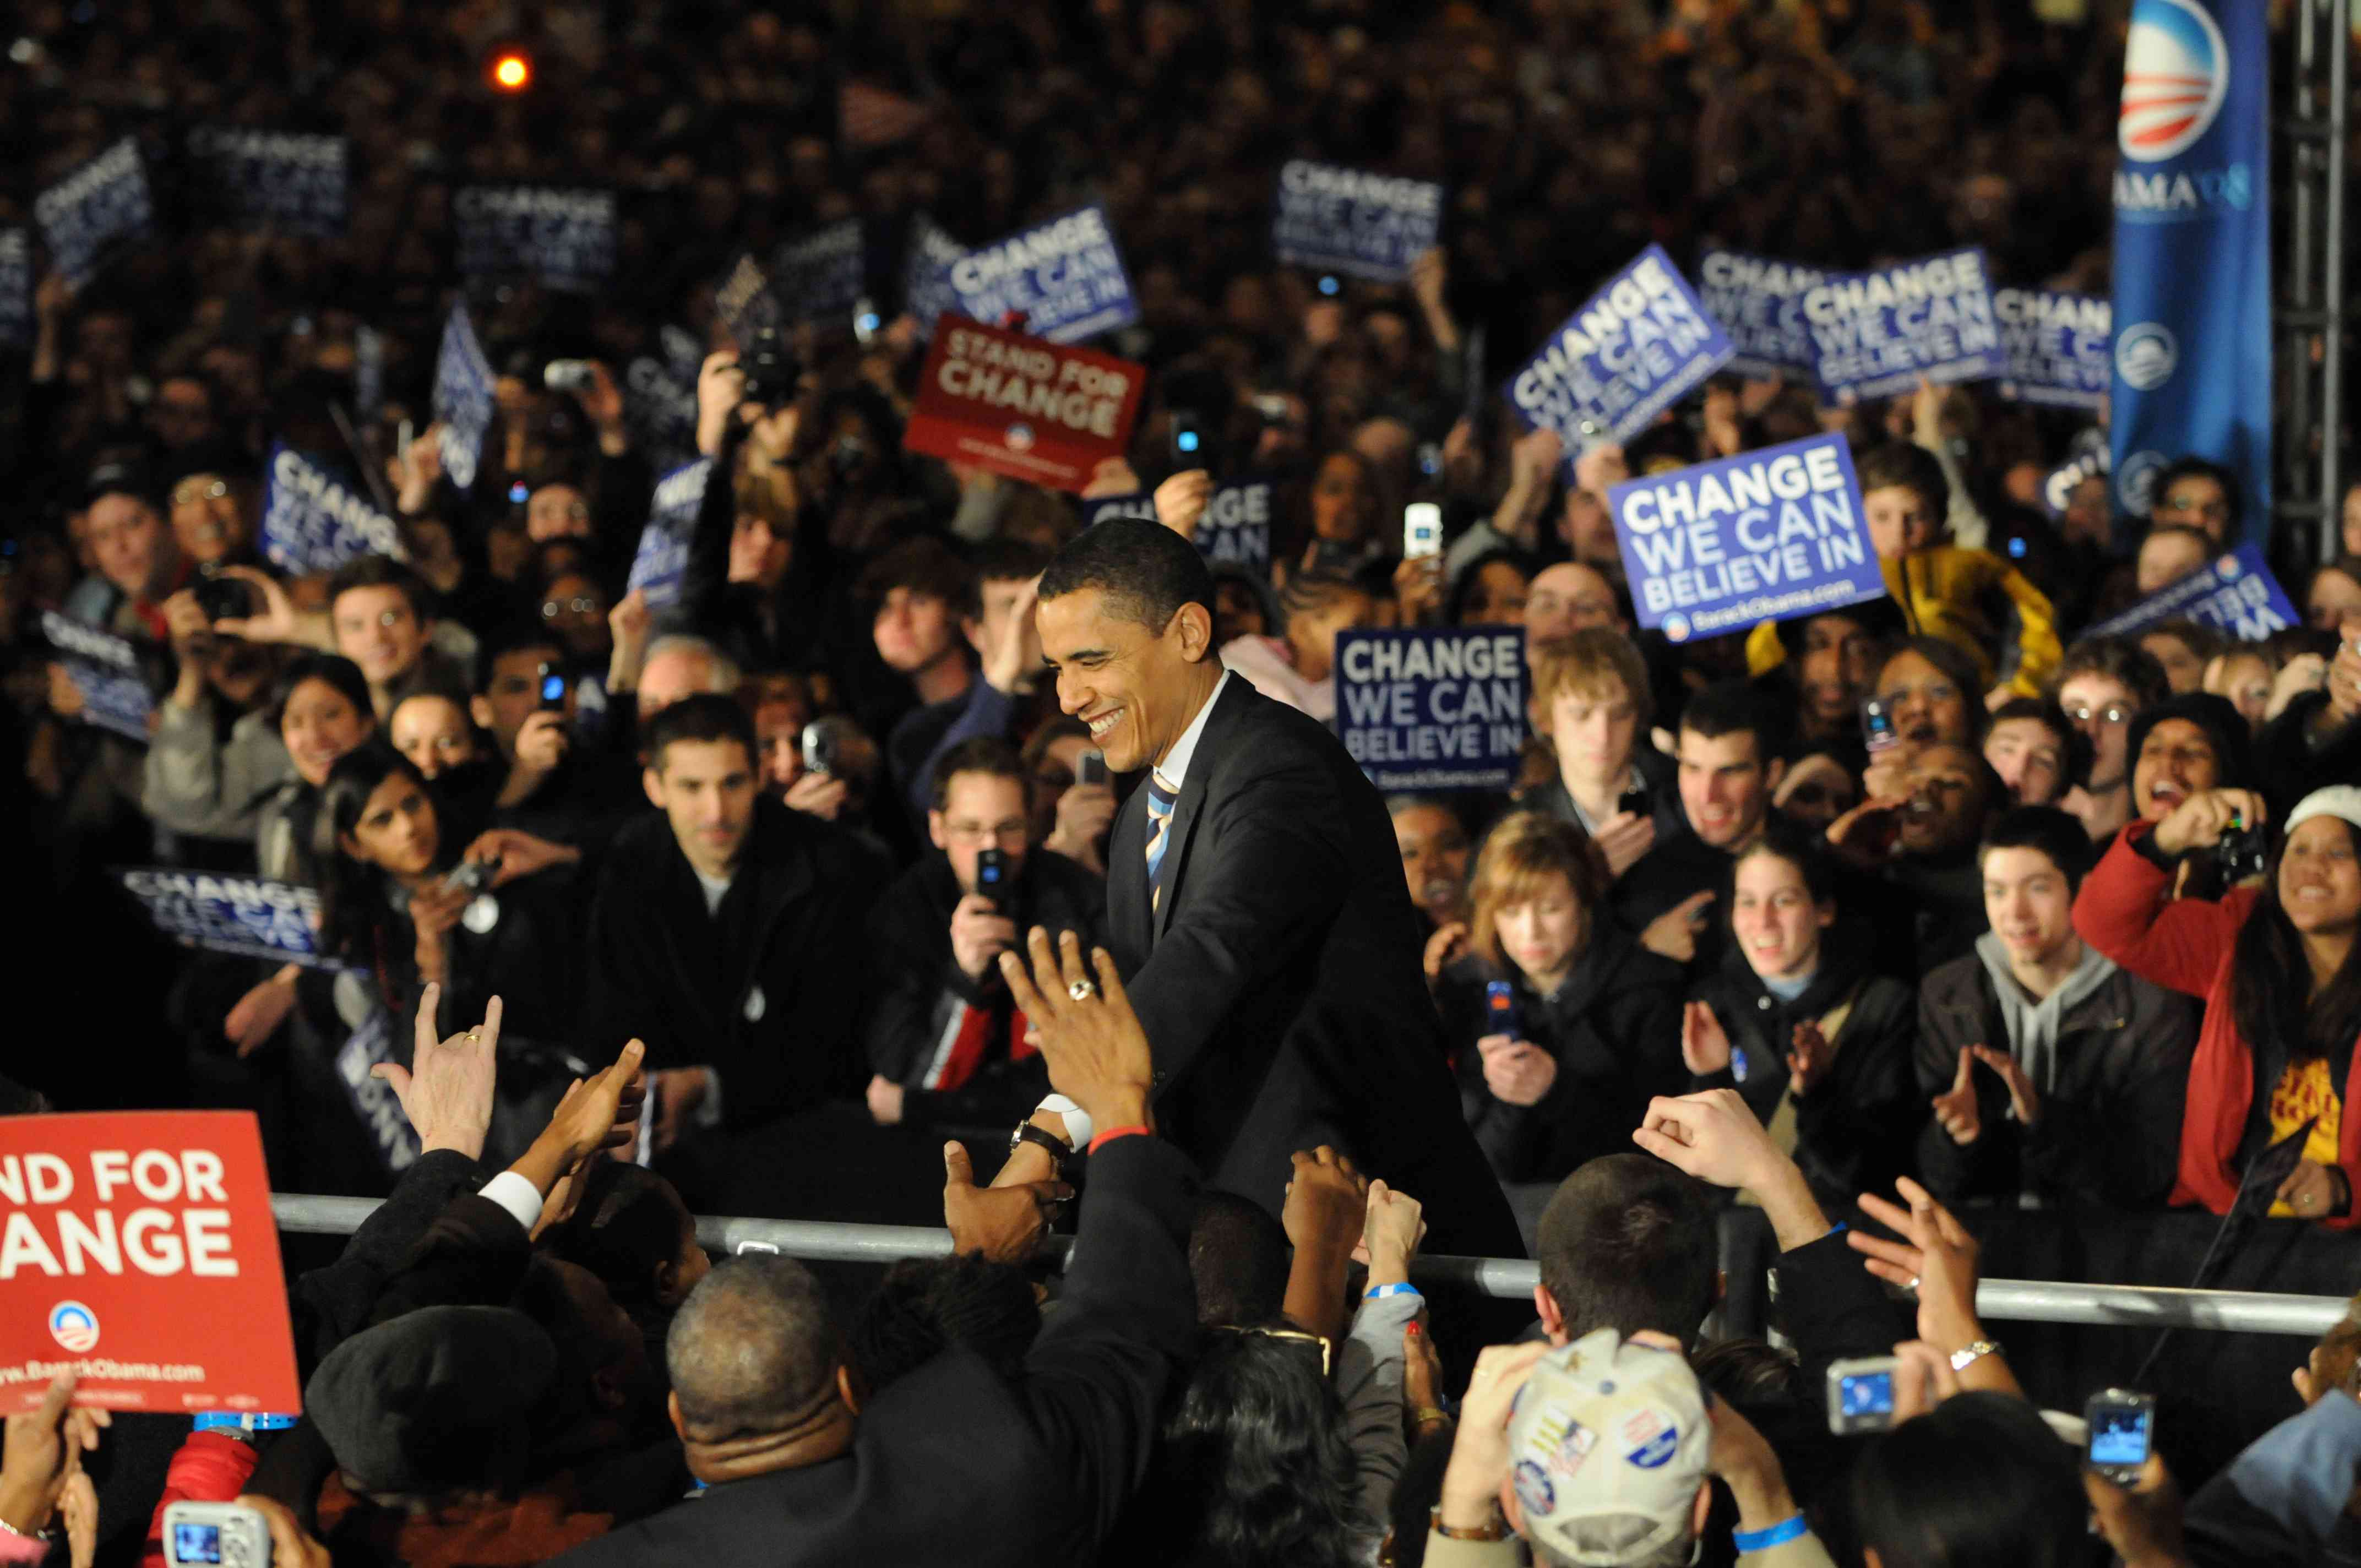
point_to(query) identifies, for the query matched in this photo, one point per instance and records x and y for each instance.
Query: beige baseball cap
(1607, 1449)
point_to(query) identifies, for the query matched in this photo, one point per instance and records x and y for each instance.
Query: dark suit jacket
(767, 991)
(953, 1465)
(1280, 980)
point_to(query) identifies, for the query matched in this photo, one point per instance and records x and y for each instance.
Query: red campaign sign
(1044, 413)
(137, 1247)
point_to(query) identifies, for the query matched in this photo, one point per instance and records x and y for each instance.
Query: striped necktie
(1160, 797)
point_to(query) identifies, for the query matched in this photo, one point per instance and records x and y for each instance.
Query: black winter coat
(1615, 1030)
(2109, 1129)
(1855, 1128)
(950, 1043)
(768, 992)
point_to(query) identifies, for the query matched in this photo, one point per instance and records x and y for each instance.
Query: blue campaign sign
(819, 275)
(373, 1099)
(1138, 504)
(1064, 276)
(927, 290)
(1235, 531)
(16, 288)
(1348, 220)
(313, 522)
(745, 303)
(104, 199)
(563, 235)
(463, 398)
(1433, 708)
(285, 180)
(1760, 303)
(1630, 352)
(1760, 536)
(106, 670)
(231, 915)
(2061, 347)
(664, 543)
(1876, 333)
(659, 406)
(2235, 594)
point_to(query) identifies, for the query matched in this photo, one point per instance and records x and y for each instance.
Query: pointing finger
(423, 1038)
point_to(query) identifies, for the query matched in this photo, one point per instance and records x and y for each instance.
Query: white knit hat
(2342, 801)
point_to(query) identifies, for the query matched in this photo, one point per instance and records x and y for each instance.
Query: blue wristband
(250, 1420)
(1403, 1288)
(1779, 1534)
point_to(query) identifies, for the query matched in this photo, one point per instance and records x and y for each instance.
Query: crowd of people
(925, 821)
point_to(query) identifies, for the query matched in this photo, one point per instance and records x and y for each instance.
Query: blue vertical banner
(2192, 306)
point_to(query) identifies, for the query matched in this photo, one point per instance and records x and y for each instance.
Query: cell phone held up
(1422, 531)
(819, 749)
(215, 1535)
(2118, 1433)
(1091, 768)
(992, 877)
(1501, 1016)
(1878, 731)
(1861, 1394)
(1633, 802)
(1187, 440)
(552, 691)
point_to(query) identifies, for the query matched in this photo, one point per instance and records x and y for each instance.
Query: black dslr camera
(771, 370)
(2240, 853)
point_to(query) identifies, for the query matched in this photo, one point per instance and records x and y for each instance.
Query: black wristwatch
(1026, 1133)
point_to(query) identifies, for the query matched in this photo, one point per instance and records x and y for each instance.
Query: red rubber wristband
(1114, 1133)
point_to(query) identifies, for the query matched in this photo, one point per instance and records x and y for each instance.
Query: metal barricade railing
(1999, 1300)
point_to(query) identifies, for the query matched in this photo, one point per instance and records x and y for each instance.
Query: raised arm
(2126, 909)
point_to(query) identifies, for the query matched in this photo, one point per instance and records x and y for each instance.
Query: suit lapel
(1186, 810)
(1127, 877)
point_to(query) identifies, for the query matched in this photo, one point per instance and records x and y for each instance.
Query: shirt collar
(1175, 767)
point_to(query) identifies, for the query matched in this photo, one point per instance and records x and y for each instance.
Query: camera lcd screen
(1866, 1394)
(196, 1543)
(553, 688)
(2119, 1436)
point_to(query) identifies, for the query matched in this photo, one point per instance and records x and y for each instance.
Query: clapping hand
(1704, 1045)
(1808, 1061)
(1956, 1110)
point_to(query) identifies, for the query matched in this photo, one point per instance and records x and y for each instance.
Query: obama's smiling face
(1136, 686)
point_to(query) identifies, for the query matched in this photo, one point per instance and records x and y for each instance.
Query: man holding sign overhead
(1255, 899)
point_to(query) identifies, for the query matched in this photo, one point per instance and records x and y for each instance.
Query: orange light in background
(511, 72)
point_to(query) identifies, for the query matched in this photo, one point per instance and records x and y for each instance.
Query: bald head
(753, 1350)
(680, 666)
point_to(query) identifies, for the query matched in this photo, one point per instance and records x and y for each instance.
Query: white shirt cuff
(708, 1110)
(518, 1197)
